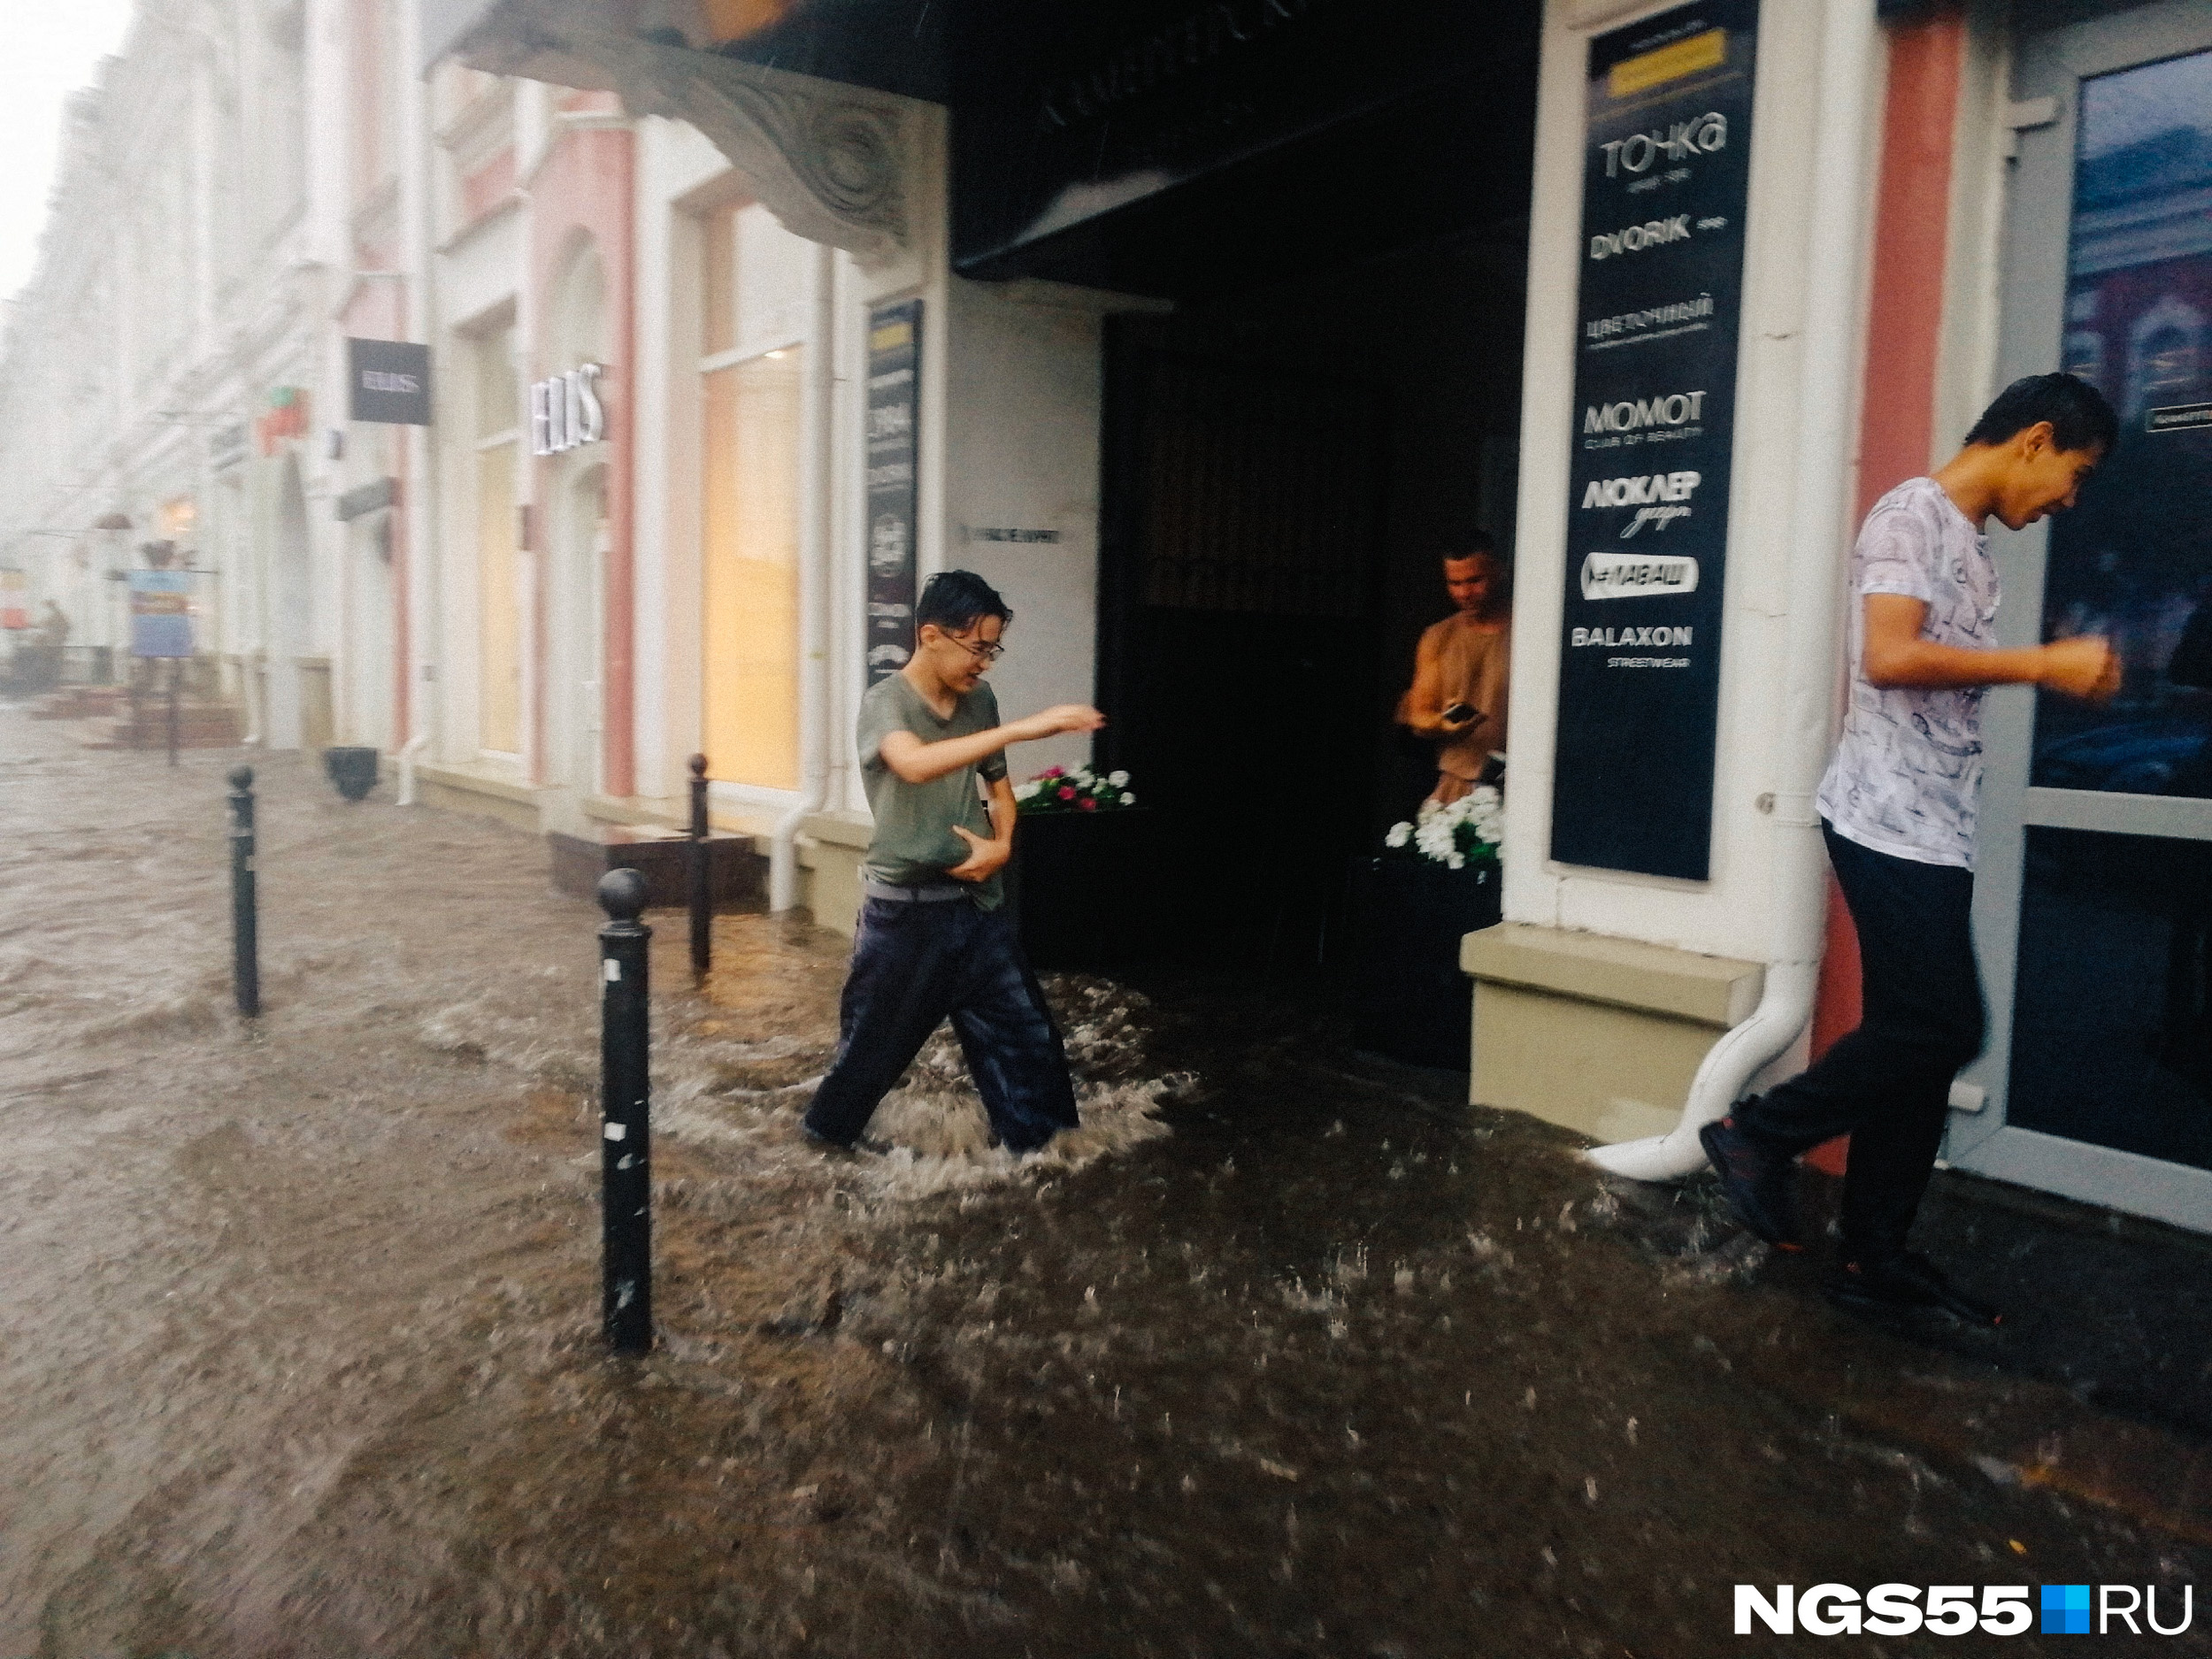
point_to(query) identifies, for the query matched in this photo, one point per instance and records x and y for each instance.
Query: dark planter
(1412, 1002)
(353, 769)
(1079, 885)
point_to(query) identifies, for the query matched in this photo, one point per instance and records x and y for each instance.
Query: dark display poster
(894, 402)
(1666, 174)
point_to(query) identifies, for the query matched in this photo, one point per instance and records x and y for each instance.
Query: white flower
(1128, 799)
(1120, 779)
(1450, 834)
(1025, 791)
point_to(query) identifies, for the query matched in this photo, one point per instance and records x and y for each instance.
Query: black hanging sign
(389, 382)
(894, 402)
(1666, 170)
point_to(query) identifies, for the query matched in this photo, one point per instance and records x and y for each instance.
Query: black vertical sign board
(894, 401)
(1666, 174)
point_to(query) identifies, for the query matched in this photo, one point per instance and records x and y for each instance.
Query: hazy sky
(52, 48)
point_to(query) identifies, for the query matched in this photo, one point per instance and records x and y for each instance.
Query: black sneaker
(823, 1144)
(1905, 1282)
(1757, 1182)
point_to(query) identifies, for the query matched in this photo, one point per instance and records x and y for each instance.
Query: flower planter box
(1083, 885)
(1411, 1002)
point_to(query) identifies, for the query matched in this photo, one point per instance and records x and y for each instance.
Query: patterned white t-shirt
(1907, 777)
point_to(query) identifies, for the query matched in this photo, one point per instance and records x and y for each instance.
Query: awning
(813, 99)
(1152, 146)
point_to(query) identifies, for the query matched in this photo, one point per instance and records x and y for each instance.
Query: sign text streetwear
(1666, 174)
(894, 365)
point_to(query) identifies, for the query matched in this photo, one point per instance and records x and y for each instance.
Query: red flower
(1067, 792)
(1087, 804)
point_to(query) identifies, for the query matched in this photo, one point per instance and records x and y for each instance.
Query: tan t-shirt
(1461, 661)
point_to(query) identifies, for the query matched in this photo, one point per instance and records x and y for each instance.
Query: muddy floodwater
(1285, 1352)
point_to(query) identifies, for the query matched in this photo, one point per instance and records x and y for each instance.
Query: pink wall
(586, 189)
(1904, 325)
(379, 311)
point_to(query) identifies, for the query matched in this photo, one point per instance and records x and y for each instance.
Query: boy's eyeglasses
(982, 650)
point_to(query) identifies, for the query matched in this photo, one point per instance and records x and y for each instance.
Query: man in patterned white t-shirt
(1898, 809)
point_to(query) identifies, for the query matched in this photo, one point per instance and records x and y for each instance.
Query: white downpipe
(1802, 744)
(256, 679)
(408, 751)
(817, 487)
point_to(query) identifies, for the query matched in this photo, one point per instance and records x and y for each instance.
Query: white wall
(1022, 455)
(1728, 914)
(674, 163)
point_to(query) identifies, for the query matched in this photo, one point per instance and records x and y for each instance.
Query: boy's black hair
(2079, 416)
(955, 601)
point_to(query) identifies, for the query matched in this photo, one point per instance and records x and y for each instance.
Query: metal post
(625, 1131)
(245, 925)
(702, 878)
(176, 673)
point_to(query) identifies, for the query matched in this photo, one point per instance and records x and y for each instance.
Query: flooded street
(1284, 1352)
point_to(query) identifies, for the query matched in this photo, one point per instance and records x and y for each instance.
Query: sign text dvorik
(1666, 167)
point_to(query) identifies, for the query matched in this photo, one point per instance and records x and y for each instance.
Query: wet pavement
(1286, 1352)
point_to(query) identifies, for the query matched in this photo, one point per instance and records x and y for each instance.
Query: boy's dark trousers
(914, 964)
(1887, 1085)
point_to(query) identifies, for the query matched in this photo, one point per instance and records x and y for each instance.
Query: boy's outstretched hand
(1062, 717)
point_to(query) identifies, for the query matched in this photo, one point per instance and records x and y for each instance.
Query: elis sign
(565, 412)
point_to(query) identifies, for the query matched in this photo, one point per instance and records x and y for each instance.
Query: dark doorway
(1334, 199)
(1282, 468)
(1239, 586)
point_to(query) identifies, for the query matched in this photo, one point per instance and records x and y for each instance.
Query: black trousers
(1888, 1084)
(915, 964)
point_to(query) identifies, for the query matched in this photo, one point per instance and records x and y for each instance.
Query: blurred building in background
(159, 365)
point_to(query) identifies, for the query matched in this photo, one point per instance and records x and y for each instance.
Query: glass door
(2093, 909)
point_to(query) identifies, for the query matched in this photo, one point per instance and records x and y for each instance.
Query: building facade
(1202, 331)
(161, 360)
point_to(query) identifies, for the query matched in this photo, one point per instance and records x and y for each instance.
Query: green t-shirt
(914, 844)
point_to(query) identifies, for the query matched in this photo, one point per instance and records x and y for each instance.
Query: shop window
(754, 288)
(499, 613)
(2131, 561)
(2084, 355)
(2165, 356)
(750, 523)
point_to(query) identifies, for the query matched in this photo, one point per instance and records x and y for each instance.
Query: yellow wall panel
(749, 523)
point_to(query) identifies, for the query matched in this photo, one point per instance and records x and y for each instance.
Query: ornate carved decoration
(827, 159)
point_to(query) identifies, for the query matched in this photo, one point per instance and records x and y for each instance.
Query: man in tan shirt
(1460, 670)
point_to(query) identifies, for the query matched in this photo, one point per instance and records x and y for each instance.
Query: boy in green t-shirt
(935, 939)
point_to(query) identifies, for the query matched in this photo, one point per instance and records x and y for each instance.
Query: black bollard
(701, 881)
(624, 1131)
(245, 924)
